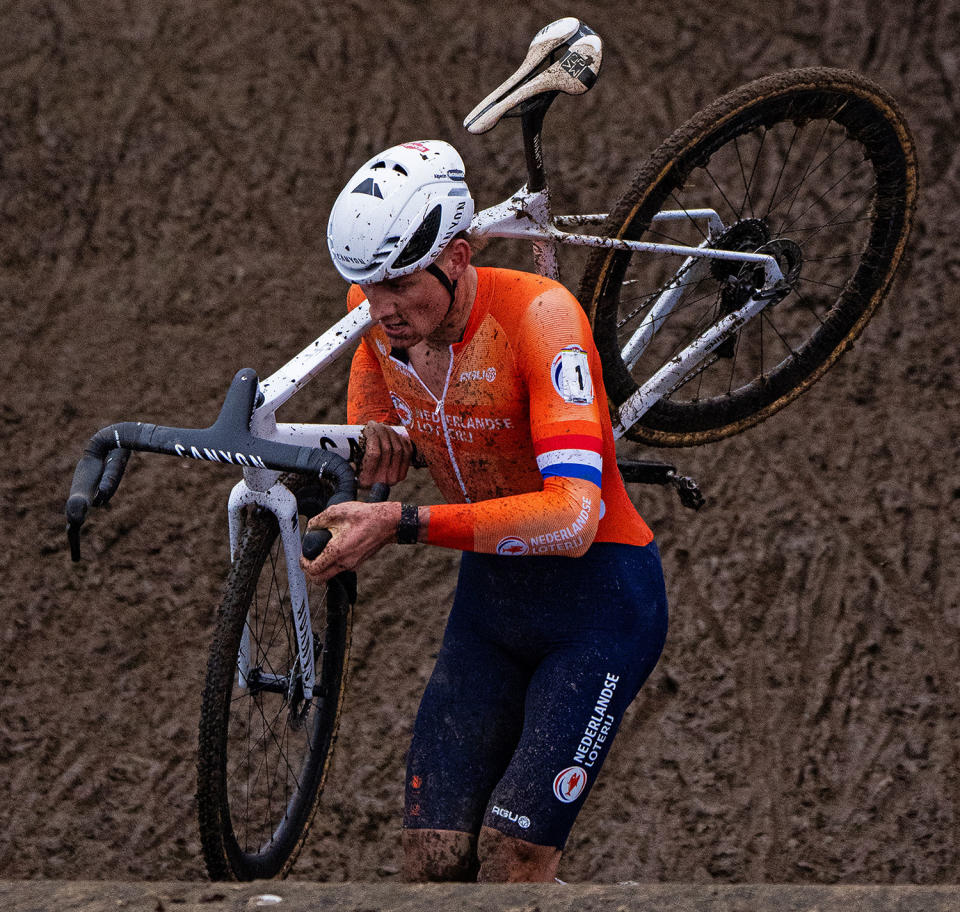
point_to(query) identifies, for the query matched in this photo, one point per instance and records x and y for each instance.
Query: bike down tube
(303, 367)
(280, 386)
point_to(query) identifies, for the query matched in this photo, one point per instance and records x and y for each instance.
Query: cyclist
(560, 611)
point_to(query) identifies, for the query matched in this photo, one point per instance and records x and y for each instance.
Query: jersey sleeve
(368, 398)
(557, 358)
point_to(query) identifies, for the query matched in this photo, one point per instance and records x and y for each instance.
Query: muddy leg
(439, 855)
(505, 859)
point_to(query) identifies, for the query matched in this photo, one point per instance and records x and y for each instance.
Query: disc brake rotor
(742, 237)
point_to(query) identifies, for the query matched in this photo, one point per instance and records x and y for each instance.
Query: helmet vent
(421, 241)
(396, 167)
(369, 186)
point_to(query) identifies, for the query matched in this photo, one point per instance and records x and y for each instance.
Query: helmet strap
(444, 280)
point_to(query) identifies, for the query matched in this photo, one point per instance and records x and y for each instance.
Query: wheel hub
(744, 236)
(739, 281)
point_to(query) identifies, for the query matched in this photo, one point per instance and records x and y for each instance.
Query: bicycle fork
(280, 501)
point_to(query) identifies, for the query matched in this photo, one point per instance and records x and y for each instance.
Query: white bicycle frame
(526, 215)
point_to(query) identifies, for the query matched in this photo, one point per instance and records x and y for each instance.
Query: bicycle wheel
(264, 751)
(814, 166)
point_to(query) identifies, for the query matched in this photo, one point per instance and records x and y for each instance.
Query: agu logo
(520, 820)
(514, 547)
(569, 784)
(403, 410)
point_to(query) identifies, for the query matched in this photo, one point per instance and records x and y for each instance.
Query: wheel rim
(273, 736)
(816, 177)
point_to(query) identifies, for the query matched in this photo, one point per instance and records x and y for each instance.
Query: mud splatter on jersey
(519, 441)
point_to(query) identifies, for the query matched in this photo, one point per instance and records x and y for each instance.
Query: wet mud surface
(166, 171)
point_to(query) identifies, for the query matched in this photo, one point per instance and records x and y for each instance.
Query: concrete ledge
(300, 896)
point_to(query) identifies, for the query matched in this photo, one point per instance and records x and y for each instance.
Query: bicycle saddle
(564, 56)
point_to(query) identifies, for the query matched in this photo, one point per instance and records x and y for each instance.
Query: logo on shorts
(403, 410)
(511, 546)
(569, 784)
(520, 820)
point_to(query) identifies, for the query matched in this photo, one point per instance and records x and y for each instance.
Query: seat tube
(545, 259)
(531, 123)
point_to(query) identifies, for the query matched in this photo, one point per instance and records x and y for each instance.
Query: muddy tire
(816, 161)
(264, 753)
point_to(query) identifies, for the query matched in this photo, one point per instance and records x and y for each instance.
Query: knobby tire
(259, 774)
(815, 162)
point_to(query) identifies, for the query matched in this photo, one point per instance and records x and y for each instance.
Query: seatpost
(531, 122)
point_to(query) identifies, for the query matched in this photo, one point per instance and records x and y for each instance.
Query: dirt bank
(167, 171)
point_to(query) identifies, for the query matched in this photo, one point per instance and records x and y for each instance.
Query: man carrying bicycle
(560, 610)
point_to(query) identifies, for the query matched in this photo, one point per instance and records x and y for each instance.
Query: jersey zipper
(441, 414)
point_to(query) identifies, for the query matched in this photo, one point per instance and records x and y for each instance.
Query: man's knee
(506, 859)
(439, 855)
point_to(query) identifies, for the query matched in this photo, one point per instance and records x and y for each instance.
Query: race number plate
(571, 376)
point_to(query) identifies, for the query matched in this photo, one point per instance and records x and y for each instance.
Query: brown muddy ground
(167, 170)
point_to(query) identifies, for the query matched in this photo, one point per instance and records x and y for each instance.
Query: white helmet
(398, 212)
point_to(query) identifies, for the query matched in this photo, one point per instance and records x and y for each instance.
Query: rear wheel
(264, 749)
(816, 167)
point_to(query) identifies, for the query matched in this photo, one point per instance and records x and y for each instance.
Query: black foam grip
(379, 492)
(314, 542)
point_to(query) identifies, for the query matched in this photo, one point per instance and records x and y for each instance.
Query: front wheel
(264, 749)
(815, 167)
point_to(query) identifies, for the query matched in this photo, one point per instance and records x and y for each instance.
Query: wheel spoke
(785, 158)
(263, 749)
(796, 166)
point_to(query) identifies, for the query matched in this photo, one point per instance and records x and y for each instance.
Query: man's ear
(456, 256)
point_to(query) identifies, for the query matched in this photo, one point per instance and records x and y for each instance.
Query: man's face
(409, 308)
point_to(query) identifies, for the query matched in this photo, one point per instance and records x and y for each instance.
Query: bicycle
(787, 203)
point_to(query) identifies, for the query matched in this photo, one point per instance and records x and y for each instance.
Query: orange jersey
(519, 442)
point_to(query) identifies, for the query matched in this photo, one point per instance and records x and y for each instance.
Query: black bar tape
(314, 542)
(227, 440)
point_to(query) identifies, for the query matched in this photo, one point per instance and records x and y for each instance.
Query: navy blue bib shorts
(541, 657)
